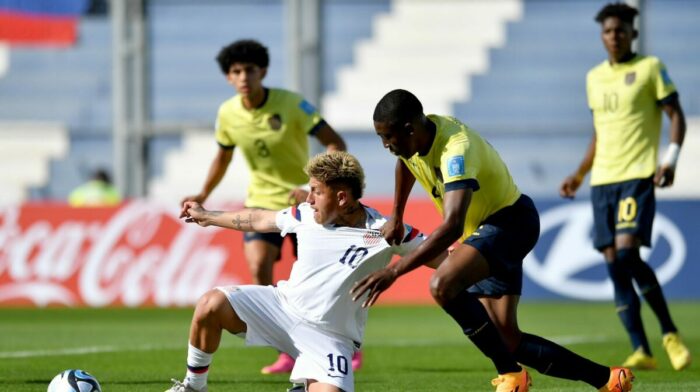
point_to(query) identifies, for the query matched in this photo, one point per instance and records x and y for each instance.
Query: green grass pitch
(406, 349)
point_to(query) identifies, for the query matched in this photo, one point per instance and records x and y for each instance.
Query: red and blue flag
(40, 22)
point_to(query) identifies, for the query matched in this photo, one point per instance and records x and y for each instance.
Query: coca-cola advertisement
(138, 254)
(141, 254)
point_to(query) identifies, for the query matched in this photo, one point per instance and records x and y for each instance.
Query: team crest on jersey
(372, 237)
(630, 78)
(275, 122)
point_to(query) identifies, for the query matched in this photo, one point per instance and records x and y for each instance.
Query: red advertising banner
(141, 254)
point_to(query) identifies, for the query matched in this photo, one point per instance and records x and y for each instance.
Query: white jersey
(330, 260)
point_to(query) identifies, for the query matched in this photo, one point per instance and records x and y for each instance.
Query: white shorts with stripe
(320, 355)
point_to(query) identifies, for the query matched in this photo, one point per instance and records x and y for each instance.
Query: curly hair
(243, 51)
(337, 168)
(622, 11)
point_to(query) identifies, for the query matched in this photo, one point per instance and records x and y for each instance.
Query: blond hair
(337, 168)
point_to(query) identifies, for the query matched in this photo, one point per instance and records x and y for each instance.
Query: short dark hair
(101, 175)
(243, 51)
(398, 107)
(622, 11)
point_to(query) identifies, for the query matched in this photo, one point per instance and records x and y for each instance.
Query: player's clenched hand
(193, 212)
(569, 186)
(392, 231)
(373, 284)
(665, 175)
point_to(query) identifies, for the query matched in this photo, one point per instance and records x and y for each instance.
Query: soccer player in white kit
(312, 315)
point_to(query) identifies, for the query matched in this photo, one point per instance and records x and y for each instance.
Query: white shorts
(320, 355)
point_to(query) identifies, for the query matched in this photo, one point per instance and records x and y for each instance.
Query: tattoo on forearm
(242, 224)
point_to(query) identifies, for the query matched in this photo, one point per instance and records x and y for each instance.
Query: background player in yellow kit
(627, 93)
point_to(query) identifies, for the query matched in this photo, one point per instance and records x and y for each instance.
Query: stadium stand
(510, 71)
(429, 48)
(197, 96)
(26, 150)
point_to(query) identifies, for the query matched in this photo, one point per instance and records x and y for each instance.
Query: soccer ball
(74, 380)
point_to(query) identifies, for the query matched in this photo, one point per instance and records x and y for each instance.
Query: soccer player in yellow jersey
(479, 283)
(271, 128)
(627, 94)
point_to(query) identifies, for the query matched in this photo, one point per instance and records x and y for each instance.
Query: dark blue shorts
(504, 239)
(626, 207)
(272, 238)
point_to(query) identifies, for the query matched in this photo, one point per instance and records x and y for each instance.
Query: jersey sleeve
(411, 240)
(223, 138)
(308, 117)
(288, 220)
(661, 81)
(458, 166)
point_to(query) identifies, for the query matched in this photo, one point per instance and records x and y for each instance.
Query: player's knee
(208, 306)
(441, 290)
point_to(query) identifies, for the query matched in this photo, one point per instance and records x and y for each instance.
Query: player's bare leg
(261, 256)
(315, 386)
(212, 315)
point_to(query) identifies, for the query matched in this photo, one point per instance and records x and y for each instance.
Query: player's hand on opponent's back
(373, 284)
(569, 186)
(193, 212)
(664, 176)
(392, 231)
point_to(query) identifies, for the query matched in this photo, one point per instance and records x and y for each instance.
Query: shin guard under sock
(650, 288)
(627, 303)
(471, 316)
(554, 360)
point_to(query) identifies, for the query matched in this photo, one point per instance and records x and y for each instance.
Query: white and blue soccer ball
(74, 380)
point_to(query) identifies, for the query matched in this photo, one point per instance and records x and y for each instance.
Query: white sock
(197, 367)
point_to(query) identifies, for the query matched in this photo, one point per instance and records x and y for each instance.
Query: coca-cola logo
(571, 252)
(141, 254)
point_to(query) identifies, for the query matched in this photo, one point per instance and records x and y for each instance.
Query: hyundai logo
(571, 252)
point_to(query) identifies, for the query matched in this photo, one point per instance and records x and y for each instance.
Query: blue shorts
(272, 238)
(626, 207)
(504, 239)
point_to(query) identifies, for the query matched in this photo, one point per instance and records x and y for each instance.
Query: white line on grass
(574, 339)
(77, 351)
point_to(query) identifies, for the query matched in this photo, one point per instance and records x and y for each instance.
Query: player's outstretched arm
(666, 172)
(571, 183)
(262, 221)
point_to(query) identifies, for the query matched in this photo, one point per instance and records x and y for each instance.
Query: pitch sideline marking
(574, 339)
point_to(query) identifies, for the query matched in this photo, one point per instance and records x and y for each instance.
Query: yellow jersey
(460, 158)
(274, 141)
(94, 193)
(625, 101)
